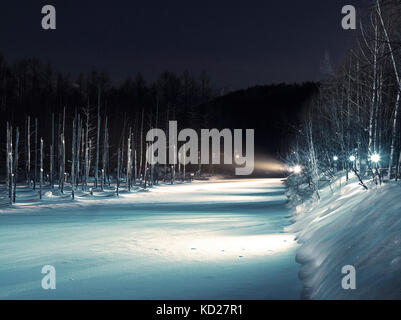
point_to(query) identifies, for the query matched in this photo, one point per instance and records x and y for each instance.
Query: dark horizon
(238, 45)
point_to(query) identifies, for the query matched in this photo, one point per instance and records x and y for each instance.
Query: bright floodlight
(352, 158)
(375, 158)
(297, 169)
(335, 158)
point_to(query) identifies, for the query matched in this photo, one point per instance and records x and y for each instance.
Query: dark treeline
(353, 122)
(33, 94)
(41, 103)
(274, 111)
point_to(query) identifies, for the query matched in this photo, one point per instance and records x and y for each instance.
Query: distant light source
(297, 169)
(352, 158)
(237, 156)
(375, 158)
(335, 158)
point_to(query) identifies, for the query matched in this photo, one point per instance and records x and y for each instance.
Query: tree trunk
(7, 155)
(135, 167)
(28, 151)
(104, 160)
(79, 132)
(15, 166)
(118, 170)
(62, 162)
(97, 139)
(141, 143)
(397, 102)
(73, 148)
(83, 155)
(41, 168)
(10, 162)
(129, 161)
(52, 156)
(36, 154)
(374, 94)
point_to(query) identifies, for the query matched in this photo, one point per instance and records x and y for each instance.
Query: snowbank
(351, 226)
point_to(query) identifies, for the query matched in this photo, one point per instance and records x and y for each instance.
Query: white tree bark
(397, 100)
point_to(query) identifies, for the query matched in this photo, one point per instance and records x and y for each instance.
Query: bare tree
(15, 165)
(51, 174)
(73, 148)
(128, 180)
(28, 152)
(36, 154)
(97, 139)
(41, 169)
(397, 100)
(62, 163)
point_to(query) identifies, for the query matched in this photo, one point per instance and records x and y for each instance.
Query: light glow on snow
(297, 169)
(243, 246)
(375, 158)
(207, 239)
(269, 165)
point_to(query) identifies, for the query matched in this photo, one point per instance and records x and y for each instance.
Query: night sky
(239, 43)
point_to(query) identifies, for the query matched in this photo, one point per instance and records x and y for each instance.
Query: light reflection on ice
(243, 245)
(195, 240)
(215, 247)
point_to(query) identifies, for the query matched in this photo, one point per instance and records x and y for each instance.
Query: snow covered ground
(205, 240)
(351, 226)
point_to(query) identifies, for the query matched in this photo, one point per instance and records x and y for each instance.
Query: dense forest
(87, 122)
(55, 122)
(30, 88)
(353, 122)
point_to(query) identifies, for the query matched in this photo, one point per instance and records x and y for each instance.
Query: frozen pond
(208, 240)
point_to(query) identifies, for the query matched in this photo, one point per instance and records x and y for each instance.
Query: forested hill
(274, 111)
(39, 102)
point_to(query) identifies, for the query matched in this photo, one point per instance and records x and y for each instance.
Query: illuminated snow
(210, 240)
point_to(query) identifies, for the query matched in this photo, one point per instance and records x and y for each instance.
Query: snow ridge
(350, 226)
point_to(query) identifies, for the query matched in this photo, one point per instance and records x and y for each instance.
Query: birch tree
(15, 164)
(398, 80)
(41, 169)
(97, 140)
